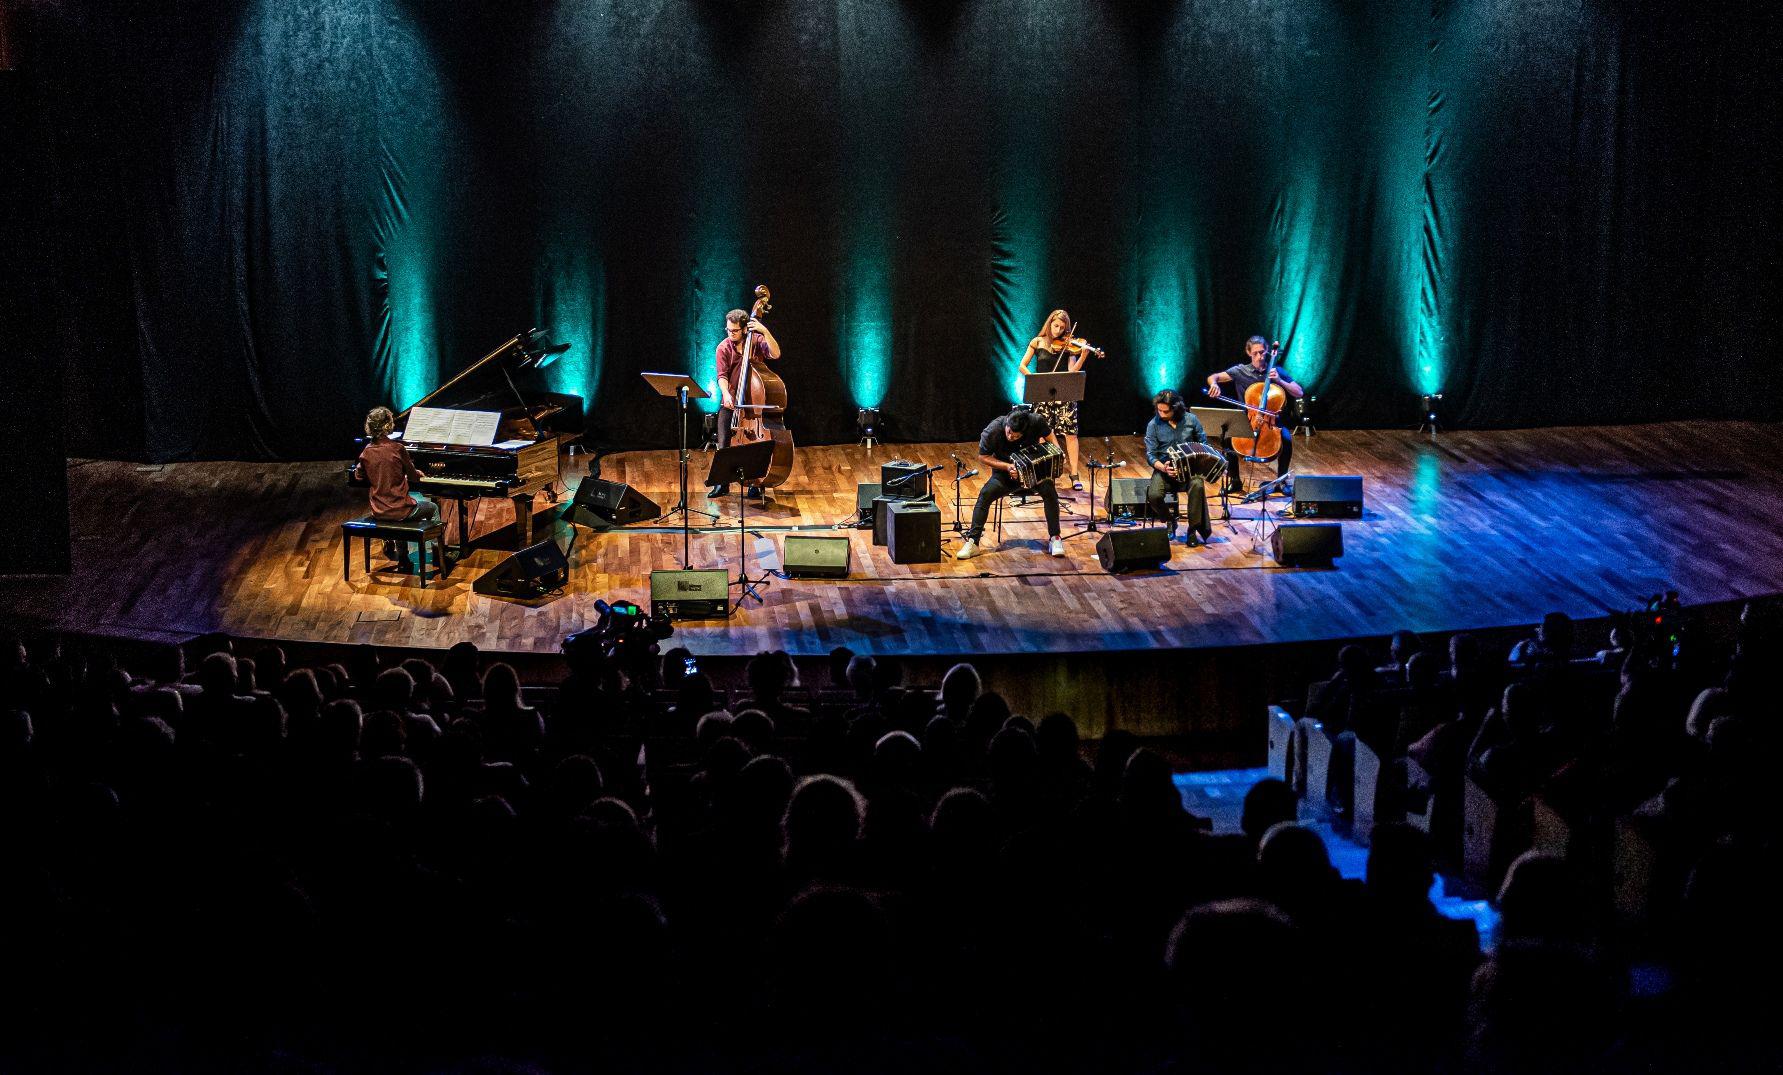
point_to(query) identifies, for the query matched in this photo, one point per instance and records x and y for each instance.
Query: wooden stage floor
(1467, 530)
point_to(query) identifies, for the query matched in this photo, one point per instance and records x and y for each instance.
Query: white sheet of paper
(444, 425)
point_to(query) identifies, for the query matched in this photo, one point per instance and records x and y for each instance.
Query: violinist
(1241, 377)
(1053, 350)
(730, 359)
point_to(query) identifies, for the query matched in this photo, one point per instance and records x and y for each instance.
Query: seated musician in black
(1170, 426)
(386, 465)
(1241, 377)
(1006, 435)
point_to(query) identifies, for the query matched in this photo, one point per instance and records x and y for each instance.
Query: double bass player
(738, 327)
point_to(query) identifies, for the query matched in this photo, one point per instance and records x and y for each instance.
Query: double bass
(761, 405)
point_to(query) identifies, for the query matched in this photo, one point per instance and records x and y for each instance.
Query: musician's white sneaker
(1057, 547)
(967, 551)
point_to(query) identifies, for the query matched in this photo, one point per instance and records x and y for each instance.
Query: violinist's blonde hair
(1048, 322)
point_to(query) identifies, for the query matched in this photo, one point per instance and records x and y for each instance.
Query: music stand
(1065, 387)
(681, 387)
(1234, 422)
(735, 464)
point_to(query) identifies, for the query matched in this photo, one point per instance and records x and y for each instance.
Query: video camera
(623, 633)
(1661, 628)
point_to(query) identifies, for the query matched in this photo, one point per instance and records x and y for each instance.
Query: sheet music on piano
(447, 425)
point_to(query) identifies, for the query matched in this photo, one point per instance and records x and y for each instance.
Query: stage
(1464, 530)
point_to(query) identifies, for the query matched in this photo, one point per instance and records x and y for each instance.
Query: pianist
(386, 465)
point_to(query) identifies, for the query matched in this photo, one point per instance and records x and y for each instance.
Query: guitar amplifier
(690, 595)
(1328, 496)
(1126, 496)
(913, 532)
(892, 470)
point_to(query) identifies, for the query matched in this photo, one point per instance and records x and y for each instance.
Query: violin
(1073, 345)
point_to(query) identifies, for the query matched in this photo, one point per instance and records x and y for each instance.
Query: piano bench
(418, 534)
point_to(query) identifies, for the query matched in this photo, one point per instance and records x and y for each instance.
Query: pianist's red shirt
(387, 466)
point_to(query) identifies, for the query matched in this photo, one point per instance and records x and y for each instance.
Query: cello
(1263, 402)
(761, 405)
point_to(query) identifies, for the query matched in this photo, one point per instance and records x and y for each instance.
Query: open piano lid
(492, 383)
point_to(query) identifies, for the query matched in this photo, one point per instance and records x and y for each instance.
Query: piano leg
(464, 529)
(523, 519)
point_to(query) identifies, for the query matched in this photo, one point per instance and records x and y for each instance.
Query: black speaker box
(602, 505)
(690, 595)
(913, 532)
(1328, 496)
(1143, 549)
(882, 506)
(895, 470)
(527, 575)
(1294, 544)
(864, 495)
(807, 556)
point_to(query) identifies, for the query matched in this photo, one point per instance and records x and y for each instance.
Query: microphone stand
(1109, 465)
(960, 474)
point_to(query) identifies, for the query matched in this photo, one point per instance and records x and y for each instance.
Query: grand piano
(476, 436)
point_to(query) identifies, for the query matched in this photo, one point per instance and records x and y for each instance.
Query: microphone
(969, 474)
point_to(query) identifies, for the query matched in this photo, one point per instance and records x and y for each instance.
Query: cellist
(730, 359)
(1241, 377)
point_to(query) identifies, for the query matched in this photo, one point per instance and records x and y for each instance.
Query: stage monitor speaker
(1145, 548)
(528, 575)
(690, 595)
(915, 487)
(1328, 496)
(602, 505)
(1126, 496)
(811, 557)
(913, 532)
(864, 495)
(1296, 544)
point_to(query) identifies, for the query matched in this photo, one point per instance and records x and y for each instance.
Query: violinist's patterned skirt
(1061, 418)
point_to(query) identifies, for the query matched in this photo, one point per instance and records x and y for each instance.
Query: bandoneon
(1043, 462)
(1191, 459)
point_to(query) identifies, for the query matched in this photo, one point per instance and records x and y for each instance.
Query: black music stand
(1063, 387)
(1221, 425)
(735, 464)
(681, 387)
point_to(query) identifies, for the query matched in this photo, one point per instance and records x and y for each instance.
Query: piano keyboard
(441, 481)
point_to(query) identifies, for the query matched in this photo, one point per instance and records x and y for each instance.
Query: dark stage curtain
(268, 217)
